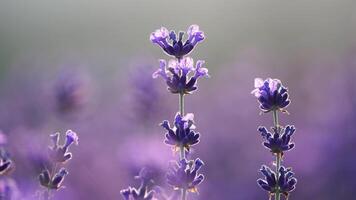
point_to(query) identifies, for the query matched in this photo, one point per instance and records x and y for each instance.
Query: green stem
(182, 150)
(181, 104)
(278, 155)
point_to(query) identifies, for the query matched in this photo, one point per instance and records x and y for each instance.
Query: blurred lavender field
(87, 66)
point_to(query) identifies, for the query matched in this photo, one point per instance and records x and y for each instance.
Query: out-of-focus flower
(9, 189)
(177, 76)
(285, 184)
(55, 182)
(6, 165)
(279, 141)
(174, 46)
(143, 192)
(271, 94)
(181, 135)
(69, 91)
(59, 153)
(184, 175)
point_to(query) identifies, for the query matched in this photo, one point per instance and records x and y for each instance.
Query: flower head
(6, 164)
(285, 184)
(182, 134)
(59, 153)
(184, 175)
(177, 77)
(54, 182)
(173, 44)
(71, 137)
(271, 94)
(279, 141)
(141, 193)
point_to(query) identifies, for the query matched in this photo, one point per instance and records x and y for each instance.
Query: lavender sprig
(182, 174)
(181, 78)
(51, 179)
(273, 97)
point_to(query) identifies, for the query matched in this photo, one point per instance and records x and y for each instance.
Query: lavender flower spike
(182, 134)
(184, 175)
(271, 94)
(279, 141)
(177, 75)
(174, 46)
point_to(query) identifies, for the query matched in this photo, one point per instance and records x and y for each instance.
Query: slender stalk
(278, 155)
(181, 104)
(182, 150)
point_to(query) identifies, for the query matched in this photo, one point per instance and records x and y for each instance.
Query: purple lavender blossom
(177, 76)
(285, 184)
(184, 175)
(50, 178)
(176, 47)
(55, 182)
(143, 192)
(182, 134)
(279, 141)
(5, 162)
(274, 97)
(271, 94)
(59, 153)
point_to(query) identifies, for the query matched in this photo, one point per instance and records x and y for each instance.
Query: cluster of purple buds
(184, 175)
(273, 97)
(143, 192)
(173, 45)
(8, 186)
(6, 163)
(177, 74)
(54, 182)
(182, 134)
(59, 155)
(285, 183)
(279, 140)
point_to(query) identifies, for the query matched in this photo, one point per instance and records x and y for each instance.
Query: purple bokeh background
(115, 106)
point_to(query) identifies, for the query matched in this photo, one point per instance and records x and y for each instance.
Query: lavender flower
(181, 135)
(5, 162)
(49, 178)
(271, 94)
(143, 192)
(177, 74)
(177, 47)
(184, 175)
(276, 142)
(58, 153)
(285, 184)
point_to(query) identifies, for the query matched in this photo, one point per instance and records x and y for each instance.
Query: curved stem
(278, 155)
